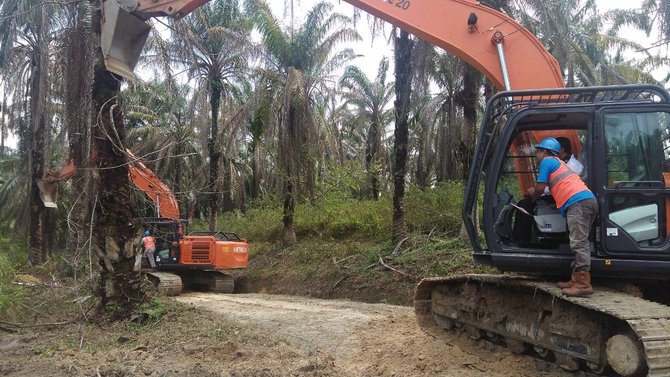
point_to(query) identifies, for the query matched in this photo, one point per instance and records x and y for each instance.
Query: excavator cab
(166, 233)
(622, 137)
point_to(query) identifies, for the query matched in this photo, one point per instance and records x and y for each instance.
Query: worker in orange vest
(577, 203)
(149, 246)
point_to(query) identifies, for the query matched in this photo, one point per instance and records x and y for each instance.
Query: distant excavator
(199, 260)
(622, 133)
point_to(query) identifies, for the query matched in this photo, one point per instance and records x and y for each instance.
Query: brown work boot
(569, 283)
(582, 285)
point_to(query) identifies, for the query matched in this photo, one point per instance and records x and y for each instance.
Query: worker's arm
(547, 166)
(535, 192)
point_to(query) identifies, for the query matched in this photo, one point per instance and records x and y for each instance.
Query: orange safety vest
(148, 242)
(564, 183)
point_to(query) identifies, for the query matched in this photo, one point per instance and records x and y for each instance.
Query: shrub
(437, 209)
(10, 260)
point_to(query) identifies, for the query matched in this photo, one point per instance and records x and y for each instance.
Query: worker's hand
(530, 193)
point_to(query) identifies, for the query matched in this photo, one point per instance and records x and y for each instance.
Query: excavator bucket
(48, 192)
(122, 38)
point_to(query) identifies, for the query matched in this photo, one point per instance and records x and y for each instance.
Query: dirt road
(356, 339)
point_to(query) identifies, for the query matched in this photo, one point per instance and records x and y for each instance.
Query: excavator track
(168, 283)
(221, 282)
(212, 281)
(610, 333)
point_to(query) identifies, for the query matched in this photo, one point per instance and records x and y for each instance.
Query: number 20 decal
(402, 4)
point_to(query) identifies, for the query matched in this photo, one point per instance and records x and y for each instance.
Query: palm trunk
(227, 204)
(289, 211)
(3, 126)
(403, 80)
(177, 172)
(38, 87)
(77, 118)
(422, 156)
(371, 148)
(214, 155)
(470, 97)
(179, 150)
(115, 238)
(290, 174)
(254, 186)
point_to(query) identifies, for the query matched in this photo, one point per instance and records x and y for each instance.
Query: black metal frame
(222, 236)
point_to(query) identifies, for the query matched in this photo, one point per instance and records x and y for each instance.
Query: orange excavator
(198, 260)
(622, 136)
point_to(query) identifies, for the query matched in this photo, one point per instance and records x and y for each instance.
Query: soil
(205, 334)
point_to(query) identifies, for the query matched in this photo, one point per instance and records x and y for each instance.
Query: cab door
(632, 187)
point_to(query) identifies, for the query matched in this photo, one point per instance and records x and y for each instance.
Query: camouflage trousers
(581, 216)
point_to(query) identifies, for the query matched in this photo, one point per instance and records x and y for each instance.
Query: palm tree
(27, 47)
(160, 132)
(300, 60)
(76, 47)
(448, 116)
(213, 43)
(115, 228)
(370, 100)
(652, 14)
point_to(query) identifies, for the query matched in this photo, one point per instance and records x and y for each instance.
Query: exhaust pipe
(122, 38)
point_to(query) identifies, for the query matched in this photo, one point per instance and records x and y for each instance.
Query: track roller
(596, 368)
(543, 352)
(515, 345)
(567, 362)
(444, 322)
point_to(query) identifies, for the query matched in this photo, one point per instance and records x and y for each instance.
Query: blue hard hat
(550, 144)
(146, 232)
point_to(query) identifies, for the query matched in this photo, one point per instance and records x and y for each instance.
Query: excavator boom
(160, 194)
(504, 51)
(140, 175)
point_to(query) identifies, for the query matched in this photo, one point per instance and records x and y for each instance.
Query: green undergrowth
(334, 215)
(344, 247)
(12, 257)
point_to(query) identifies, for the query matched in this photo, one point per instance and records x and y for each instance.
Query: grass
(12, 257)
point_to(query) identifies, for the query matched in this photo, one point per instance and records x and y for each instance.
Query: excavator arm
(504, 51)
(140, 175)
(160, 194)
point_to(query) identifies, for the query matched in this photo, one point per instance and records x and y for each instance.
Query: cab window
(637, 146)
